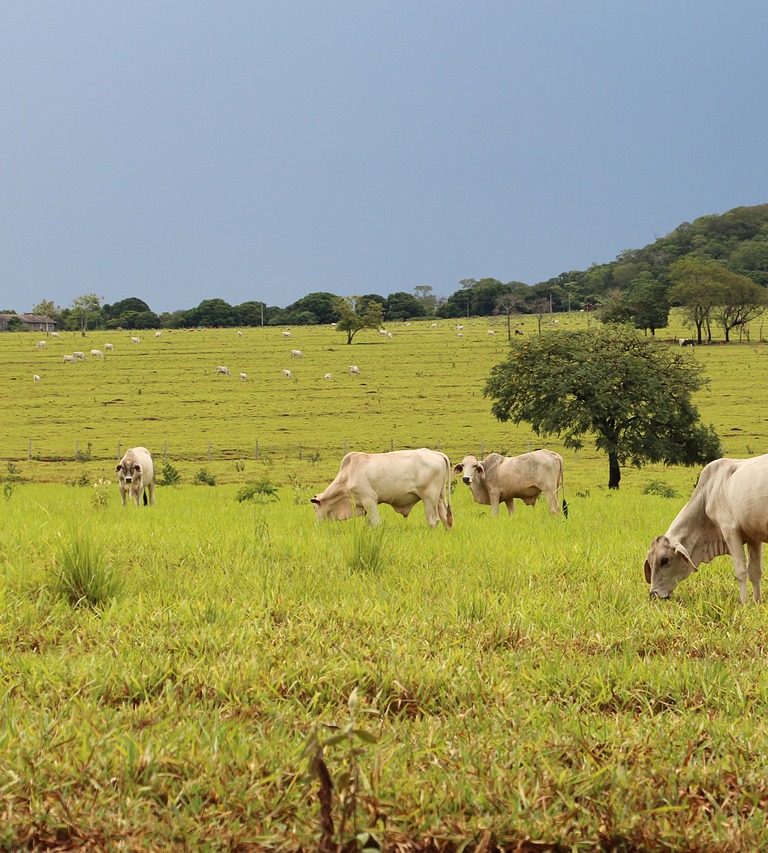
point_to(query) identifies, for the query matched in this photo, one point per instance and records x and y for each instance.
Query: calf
(136, 475)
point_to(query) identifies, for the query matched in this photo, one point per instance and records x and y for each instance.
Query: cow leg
(510, 502)
(494, 500)
(152, 493)
(372, 510)
(432, 514)
(736, 550)
(554, 507)
(755, 567)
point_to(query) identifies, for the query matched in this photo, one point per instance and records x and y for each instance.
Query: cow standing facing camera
(136, 475)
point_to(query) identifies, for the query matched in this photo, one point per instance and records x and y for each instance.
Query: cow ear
(457, 469)
(314, 501)
(479, 468)
(118, 467)
(137, 467)
(647, 570)
(679, 549)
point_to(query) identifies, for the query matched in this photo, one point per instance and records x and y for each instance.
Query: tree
(427, 298)
(632, 394)
(507, 304)
(402, 306)
(323, 306)
(212, 312)
(250, 313)
(371, 316)
(742, 301)
(86, 311)
(696, 286)
(648, 304)
(46, 308)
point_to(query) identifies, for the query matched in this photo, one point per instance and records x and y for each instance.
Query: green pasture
(506, 682)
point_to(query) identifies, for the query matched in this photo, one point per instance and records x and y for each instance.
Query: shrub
(83, 575)
(100, 496)
(170, 476)
(203, 478)
(658, 487)
(259, 492)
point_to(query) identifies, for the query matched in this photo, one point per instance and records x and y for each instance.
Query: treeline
(715, 267)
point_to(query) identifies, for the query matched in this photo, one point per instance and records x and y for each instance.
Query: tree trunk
(699, 324)
(614, 471)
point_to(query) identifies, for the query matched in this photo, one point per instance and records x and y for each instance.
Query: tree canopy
(632, 395)
(356, 314)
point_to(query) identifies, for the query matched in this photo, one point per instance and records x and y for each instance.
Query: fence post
(29, 449)
(165, 451)
(300, 452)
(391, 444)
(119, 449)
(209, 451)
(258, 451)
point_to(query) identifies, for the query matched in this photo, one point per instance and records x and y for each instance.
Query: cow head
(128, 471)
(337, 509)
(469, 468)
(666, 564)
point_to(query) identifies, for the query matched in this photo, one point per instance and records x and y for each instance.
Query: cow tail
(448, 510)
(562, 489)
(146, 501)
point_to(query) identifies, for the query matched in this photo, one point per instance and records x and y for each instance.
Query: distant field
(505, 682)
(422, 387)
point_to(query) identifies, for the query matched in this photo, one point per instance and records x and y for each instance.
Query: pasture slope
(508, 680)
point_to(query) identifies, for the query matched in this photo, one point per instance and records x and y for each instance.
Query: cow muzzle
(127, 479)
(467, 480)
(657, 596)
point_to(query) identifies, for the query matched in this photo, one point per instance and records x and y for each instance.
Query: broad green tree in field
(697, 286)
(631, 394)
(352, 322)
(86, 311)
(741, 301)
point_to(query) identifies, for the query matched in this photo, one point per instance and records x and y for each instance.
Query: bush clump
(203, 478)
(259, 492)
(659, 487)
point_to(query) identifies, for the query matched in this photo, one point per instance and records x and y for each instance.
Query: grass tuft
(366, 550)
(83, 575)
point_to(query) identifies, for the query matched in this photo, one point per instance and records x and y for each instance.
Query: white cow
(41, 345)
(97, 353)
(287, 333)
(243, 376)
(500, 479)
(354, 370)
(287, 374)
(55, 335)
(79, 356)
(136, 475)
(108, 347)
(297, 353)
(223, 369)
(726, 511)
(135, 340)
(158, 334)
(327, 377)
(69, 359)
(36, 377)
(400, 478)
(490, 332)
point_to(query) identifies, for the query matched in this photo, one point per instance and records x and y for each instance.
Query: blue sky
(184, 150)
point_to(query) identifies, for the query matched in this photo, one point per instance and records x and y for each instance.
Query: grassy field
(507, 682)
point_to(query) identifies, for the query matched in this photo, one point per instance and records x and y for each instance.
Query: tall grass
(84, 576)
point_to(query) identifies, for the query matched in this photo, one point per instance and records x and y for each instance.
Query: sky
(251, 149)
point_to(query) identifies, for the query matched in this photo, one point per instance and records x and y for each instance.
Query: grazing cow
(518, 331)
(297, 353)
(687, 342)
(108, 347)
(244, 376)
(500, 479)
(726, 511)
(223, 370)
(36, 377)
(400, 478)
(354, 370)
(135, 340)
(158, 334)
(287, 374)
(41, 345)
(239, 333)
(287, 333)
(327, 377)
(97, 353)
(79, 356)
(69, 359)
(136, 475)
(490, 332)
(459, 328)
(55, 335)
